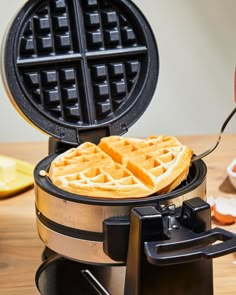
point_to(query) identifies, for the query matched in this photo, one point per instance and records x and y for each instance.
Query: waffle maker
(80, 70)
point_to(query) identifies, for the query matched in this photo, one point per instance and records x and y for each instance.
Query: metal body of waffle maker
(80, 70)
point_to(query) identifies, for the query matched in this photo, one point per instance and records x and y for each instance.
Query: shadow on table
(226, 187)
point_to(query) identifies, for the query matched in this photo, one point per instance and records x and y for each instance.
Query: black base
(60, 276)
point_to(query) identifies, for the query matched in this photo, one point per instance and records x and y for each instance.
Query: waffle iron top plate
(80, 69)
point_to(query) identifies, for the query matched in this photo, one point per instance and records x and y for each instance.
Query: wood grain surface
(21, 248)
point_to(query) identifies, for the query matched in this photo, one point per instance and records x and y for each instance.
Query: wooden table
(21, 249)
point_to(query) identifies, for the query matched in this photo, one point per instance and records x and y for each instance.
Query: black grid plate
(81, 69)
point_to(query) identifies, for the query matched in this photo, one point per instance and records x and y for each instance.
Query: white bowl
(231, 173)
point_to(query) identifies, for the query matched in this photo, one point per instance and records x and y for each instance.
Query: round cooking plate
(77, 68)
(196, 177)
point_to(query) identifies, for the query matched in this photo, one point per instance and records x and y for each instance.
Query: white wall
(197, 47)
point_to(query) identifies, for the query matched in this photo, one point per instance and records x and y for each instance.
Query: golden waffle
(87, 170)
(122, 167)
(161, 162)
(122, 149)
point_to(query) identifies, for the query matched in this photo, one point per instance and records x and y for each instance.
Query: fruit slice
(224, 210)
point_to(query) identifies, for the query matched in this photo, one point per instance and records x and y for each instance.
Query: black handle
(193, 249)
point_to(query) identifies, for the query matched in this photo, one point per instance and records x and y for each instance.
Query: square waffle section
(78, 159)
(159, 160)
(49, 31)
(105, 28)
(87, 170)
(111, 84)
(122, 167)
(122, 149)
(58, 90)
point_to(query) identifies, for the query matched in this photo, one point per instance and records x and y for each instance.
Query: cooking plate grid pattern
(79, 61)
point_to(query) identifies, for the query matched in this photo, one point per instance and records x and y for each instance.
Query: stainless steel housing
(82, 214)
